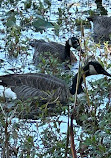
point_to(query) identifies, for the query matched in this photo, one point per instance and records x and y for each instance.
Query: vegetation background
(45, 134)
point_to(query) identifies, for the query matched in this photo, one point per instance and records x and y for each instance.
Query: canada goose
(46, 87)
(101, 27)
(57, 50)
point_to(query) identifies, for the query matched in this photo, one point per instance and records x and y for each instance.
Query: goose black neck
(3, 84)
(74, 82)
(73, 87)
(67, 50)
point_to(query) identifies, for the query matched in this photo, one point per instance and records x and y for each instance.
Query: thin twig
(3, 111)
(72, 116)
(13, 113)
(67, 141)
(7, 139)
(71, 124)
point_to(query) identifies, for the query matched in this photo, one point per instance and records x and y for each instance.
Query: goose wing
(104, 21)
(56, 49)
(35, 43)
(45, 47)
(37, 84)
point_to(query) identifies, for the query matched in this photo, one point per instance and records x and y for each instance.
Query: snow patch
(7, 92)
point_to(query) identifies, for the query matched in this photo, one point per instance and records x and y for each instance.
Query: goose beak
(104, 72)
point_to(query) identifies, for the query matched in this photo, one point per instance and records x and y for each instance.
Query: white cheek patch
(7, 92)
(70, 42)
(92, 70)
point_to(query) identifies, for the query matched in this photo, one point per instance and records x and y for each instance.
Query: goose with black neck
(61, 52)
(47, 87)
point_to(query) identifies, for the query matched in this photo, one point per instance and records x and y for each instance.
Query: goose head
(95, 68)
(74, 42)
(92, 68)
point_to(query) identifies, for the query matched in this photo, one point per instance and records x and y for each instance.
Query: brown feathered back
(101, 26)
(56, 49)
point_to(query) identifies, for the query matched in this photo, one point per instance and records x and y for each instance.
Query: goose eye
(76, 41)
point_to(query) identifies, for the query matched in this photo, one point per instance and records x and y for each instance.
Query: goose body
(59, 51)
(43, 86)
(47, 87)
(101, 27)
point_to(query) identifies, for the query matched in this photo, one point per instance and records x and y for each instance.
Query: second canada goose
(46, 87)
(56, 49)
(101, 27)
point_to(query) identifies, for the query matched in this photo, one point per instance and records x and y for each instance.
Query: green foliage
(95, 121)
(49, 64)
(80, 21)
(27, 4)
(41, 7)
(14, 45)
(40, 24)
(21, 121)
